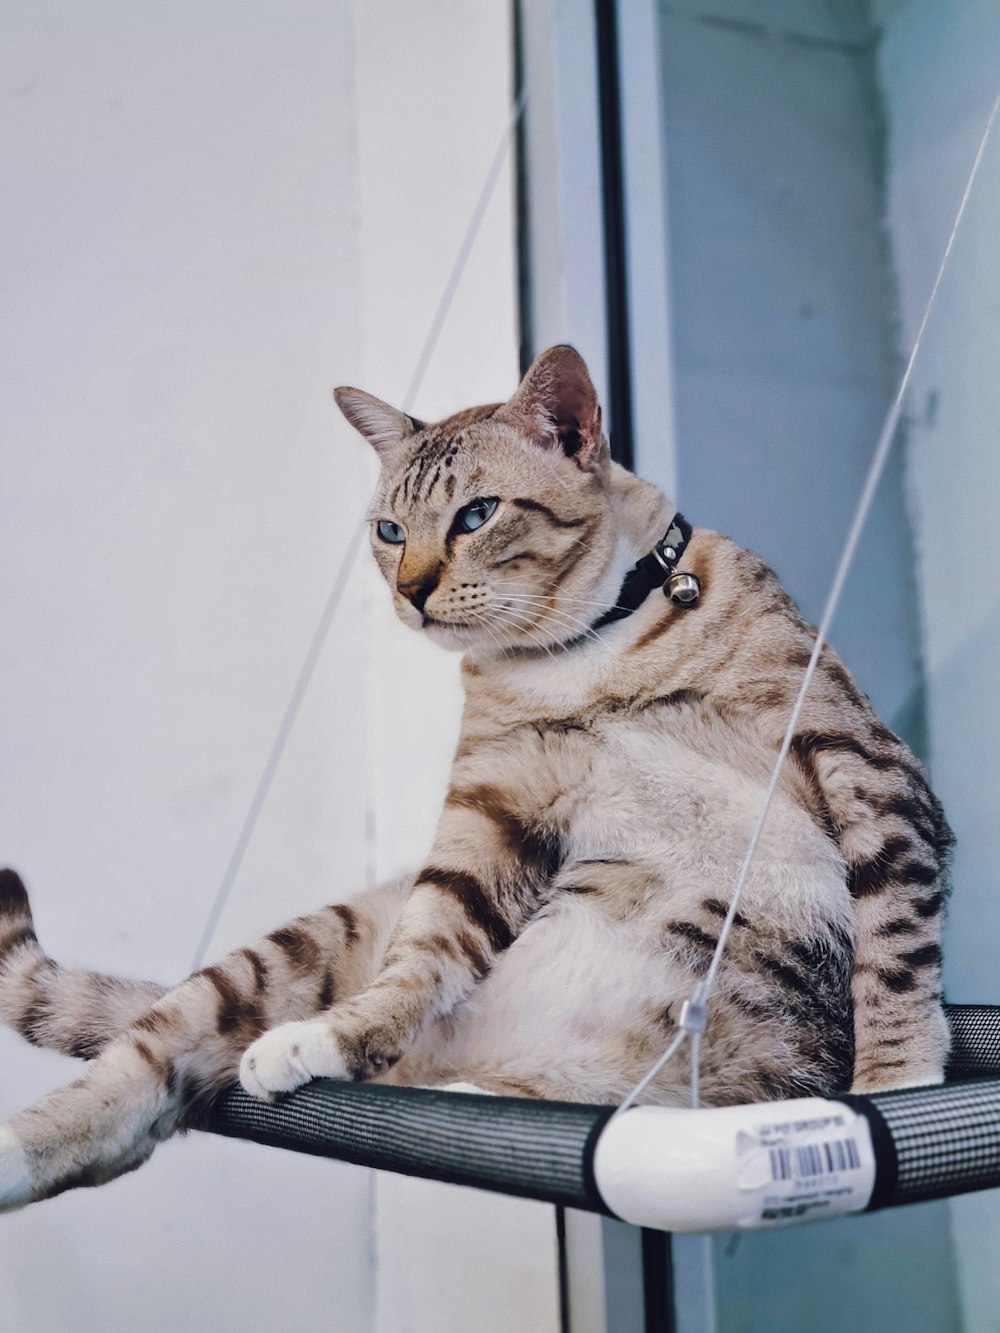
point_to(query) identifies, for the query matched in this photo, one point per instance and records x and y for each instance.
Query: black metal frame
(616, 277)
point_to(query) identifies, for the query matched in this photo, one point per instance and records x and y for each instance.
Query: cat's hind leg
(162, 1073)
(66, 1009)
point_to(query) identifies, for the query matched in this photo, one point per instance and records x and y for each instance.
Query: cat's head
(496, 528)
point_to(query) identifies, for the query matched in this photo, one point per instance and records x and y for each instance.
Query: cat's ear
(384, 427)
(556, 406)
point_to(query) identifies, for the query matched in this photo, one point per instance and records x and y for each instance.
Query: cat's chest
(622, 765)
(632, 783)
(668, 790)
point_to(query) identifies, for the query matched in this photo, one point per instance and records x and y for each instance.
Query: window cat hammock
(712, 1170)
(697, 1169)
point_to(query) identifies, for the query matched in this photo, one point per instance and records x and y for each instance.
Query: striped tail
(67, 1010)
(18, 941)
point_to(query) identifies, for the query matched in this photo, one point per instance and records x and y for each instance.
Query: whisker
(568, 597)
(583, 630)
(531, 633)
(544, 602)
(479, 618)
(504, 617)
(577, 601)
(526, 630)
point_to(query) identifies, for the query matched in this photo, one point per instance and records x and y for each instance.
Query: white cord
(694, 1011)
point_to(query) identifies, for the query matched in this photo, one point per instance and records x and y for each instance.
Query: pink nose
(417, 591)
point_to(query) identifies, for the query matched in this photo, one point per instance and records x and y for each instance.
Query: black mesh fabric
(946, 1140)
(514, 1145)
(929, 1142)
(975, 1040)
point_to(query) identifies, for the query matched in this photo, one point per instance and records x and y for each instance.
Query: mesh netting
(975, 1040)
(539, 1150)
(929, 1142)
(943, 1141)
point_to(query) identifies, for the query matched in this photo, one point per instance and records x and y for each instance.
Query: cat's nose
(417, 590)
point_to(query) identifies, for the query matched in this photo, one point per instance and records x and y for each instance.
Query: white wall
(564, 240)
(939, 74)
(180, 237)
(211, 215)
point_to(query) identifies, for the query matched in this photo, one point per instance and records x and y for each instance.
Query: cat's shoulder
(726, 570)
(741, 599)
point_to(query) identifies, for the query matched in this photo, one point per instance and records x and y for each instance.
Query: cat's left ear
(384, 427)
(556, 406)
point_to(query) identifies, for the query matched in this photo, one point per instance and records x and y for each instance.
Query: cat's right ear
(556, 406)
(384, 427)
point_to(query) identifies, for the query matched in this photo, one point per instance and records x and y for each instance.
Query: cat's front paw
(290, 1055)
(15, 1178)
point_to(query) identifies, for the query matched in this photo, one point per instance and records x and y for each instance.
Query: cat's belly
(582, 1004)
(586, 997)
(566, 1011)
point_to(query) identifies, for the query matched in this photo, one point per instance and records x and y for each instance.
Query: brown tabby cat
(610, 767)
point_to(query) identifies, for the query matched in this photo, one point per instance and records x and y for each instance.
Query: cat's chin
(457, 636)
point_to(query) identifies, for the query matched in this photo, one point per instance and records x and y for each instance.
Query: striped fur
(600, 802)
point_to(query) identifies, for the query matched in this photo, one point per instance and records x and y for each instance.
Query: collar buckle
(665, 556)
(657, 569)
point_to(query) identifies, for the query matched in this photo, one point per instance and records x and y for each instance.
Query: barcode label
(814, 1159)
(804, 1160)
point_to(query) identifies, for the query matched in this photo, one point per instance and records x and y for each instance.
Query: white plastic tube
(735, 1166)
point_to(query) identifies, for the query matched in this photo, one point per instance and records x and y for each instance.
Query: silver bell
(683, 589)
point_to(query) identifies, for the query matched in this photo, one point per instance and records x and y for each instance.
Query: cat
(614, 748)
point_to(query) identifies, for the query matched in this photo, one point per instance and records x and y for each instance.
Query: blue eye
(475, 514)
(390, 532)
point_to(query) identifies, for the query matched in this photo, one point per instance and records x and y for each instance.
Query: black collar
(654, 570)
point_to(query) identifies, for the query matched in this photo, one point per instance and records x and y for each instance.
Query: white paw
(15, 1178)
(290, 1055)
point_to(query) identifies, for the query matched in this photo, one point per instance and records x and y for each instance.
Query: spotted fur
(600, 802)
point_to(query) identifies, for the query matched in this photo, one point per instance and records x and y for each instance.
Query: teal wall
(783, 334)
(939, 71)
